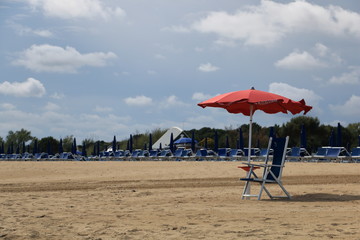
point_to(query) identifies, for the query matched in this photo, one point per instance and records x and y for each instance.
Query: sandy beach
(174, 200)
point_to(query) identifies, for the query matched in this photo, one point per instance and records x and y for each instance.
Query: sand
(174, 200)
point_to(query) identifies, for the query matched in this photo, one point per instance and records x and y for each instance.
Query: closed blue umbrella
(150, 142)
(332, 138)
(227, 145)
(61, 150)
(171, 145)
(271, 132)
(206, 143)
(83, 152)
(114, 144)
(74, 147)
(131, 143)
(303, 142)
(193, 141)
(35, 149)
(23, 147)
(339, 136)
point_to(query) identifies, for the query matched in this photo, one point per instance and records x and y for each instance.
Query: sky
(94, 69)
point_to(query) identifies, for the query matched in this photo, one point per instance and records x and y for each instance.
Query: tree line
(317, 135)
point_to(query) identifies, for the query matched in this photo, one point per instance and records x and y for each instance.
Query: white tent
(165, 139)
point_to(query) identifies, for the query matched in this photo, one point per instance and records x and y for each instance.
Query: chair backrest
(355, 152)
(279, 146)
(295, 152)
(333, 152)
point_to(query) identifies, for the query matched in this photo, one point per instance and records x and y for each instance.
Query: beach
(174, 200)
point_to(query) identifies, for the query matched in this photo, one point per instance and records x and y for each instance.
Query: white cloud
(178, 29)
(23, 30)
(321, 49)
(270, 22)
(138, 101)
(51, 107)
(103, 109)
(350, 108)
(296, 94)
(57, 95)
(159, 56)
(199, 96)
(352, 77)
(70, 9)
(300, 61)
(29, 88)
(48, 58)
(172, 101)
(207, 67)
(8, 106)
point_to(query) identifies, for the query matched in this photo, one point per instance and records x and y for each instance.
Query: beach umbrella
(160, 146)
(339, 135)
(216, 142)
(358, 141)
(206, 143)
(61, 149)
(74, 147)
(35, 149)
(332, 138)
(17, 149)
(97, 148)
(114, 145)
(193, 141)
(23, 147)
(83, 152)
(227, 145)
(171, 145)
(303, 142)
(131, 143)
(150, 142)
(251, 100)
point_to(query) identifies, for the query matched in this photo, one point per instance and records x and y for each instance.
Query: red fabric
(240, 102)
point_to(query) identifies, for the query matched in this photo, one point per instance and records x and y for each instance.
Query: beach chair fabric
(272, 171)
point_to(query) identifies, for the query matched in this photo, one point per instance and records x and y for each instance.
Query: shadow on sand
(324, 197)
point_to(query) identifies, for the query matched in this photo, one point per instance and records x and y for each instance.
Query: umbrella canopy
(248, 101)
(251, 100)
(303, 142)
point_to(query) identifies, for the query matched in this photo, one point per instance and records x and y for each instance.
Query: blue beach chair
(272, 171)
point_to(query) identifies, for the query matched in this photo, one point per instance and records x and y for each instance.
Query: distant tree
(18, 137)
(49, 145)
(67, 143)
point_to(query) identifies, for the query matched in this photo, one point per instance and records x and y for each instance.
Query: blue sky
(95, 69)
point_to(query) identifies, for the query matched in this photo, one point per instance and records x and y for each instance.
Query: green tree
(49, 145)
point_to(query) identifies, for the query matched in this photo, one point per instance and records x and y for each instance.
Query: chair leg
(246, 190)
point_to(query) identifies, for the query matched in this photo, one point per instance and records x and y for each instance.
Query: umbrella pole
(250, 132)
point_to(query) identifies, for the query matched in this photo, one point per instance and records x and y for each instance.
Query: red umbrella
(248, 101)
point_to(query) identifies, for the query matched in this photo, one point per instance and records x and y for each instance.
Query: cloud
(7, 106)
(177, 29)
(350, 108)
(23, 30)
(199, 96)
(270, 22)
(88, 9)
(48, 58)
(352, 77)
(57, 95)
(207, 67)
(51, 107)
(294, 93)
(102, 109)
(300, 61)
(172, 101)
(30, 88)
(138, 101)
